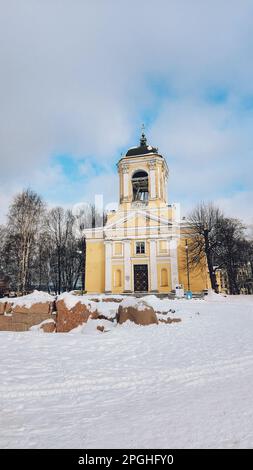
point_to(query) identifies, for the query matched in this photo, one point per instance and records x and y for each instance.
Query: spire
(143, 139)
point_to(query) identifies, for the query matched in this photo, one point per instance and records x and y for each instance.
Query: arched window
(164, 277)
(140, 186)
(117, 278)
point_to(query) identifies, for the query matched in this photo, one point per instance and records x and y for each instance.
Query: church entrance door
(140, 277)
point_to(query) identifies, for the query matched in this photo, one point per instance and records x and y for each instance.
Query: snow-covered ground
(181, 385)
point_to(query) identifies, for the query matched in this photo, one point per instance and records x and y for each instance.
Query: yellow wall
(160, 268)
(199, 279)
(116, 269)
(95, 267)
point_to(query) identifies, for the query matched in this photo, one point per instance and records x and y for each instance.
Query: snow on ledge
(71, 300)
(134, 302)
(28, 300)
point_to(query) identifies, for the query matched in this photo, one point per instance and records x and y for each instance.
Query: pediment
(140, 218)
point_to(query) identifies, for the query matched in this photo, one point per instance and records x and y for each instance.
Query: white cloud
(209, 151)
(77, 77)
(239, 206)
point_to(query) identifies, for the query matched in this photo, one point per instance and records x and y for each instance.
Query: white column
(159, 182)
(165, 189)
(153, 266)
(125, 169)
(166, 177)
(108, 266)
(152, 174)
(173, 263)
(127, 266)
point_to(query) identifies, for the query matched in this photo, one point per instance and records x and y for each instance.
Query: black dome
(142, 149)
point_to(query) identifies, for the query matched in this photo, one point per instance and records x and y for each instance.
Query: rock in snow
(140, 313)
(74, 310)
(69, 318)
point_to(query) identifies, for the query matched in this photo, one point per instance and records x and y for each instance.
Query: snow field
(184, 385)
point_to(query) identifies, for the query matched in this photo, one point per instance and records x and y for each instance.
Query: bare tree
(233, 250)
(203, 241)
(40, 268)
(59, 227)
(24, 219)
(45, 250)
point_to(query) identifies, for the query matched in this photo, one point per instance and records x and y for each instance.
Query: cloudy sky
(79, 77)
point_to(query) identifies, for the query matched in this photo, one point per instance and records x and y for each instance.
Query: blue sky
(78, 79)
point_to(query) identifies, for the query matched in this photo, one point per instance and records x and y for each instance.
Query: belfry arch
(140, 186)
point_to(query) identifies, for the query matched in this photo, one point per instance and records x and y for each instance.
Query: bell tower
(141, 248)
(143, 175)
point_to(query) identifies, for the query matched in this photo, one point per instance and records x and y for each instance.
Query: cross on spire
(143, 139)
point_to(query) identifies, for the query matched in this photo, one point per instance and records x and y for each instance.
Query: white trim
(150, 209)
(174, 263)
(159, 182)
(108, 266)
(152, 173)
(146, 208)
(134, 213)
(147, 227)
(144, 237)
(153, 266)
(143, 158)
(165, 226)
(129, 214)
(125, 185)
(127, 283)
(163, 231)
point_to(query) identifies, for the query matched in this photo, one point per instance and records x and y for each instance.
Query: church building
(143, 246)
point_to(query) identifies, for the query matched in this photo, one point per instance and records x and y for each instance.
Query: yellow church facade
(142, 247)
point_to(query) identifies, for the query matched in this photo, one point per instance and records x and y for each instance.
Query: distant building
(142, 246)
(244, 279)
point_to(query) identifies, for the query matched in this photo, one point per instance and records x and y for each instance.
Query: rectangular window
(140, 248)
